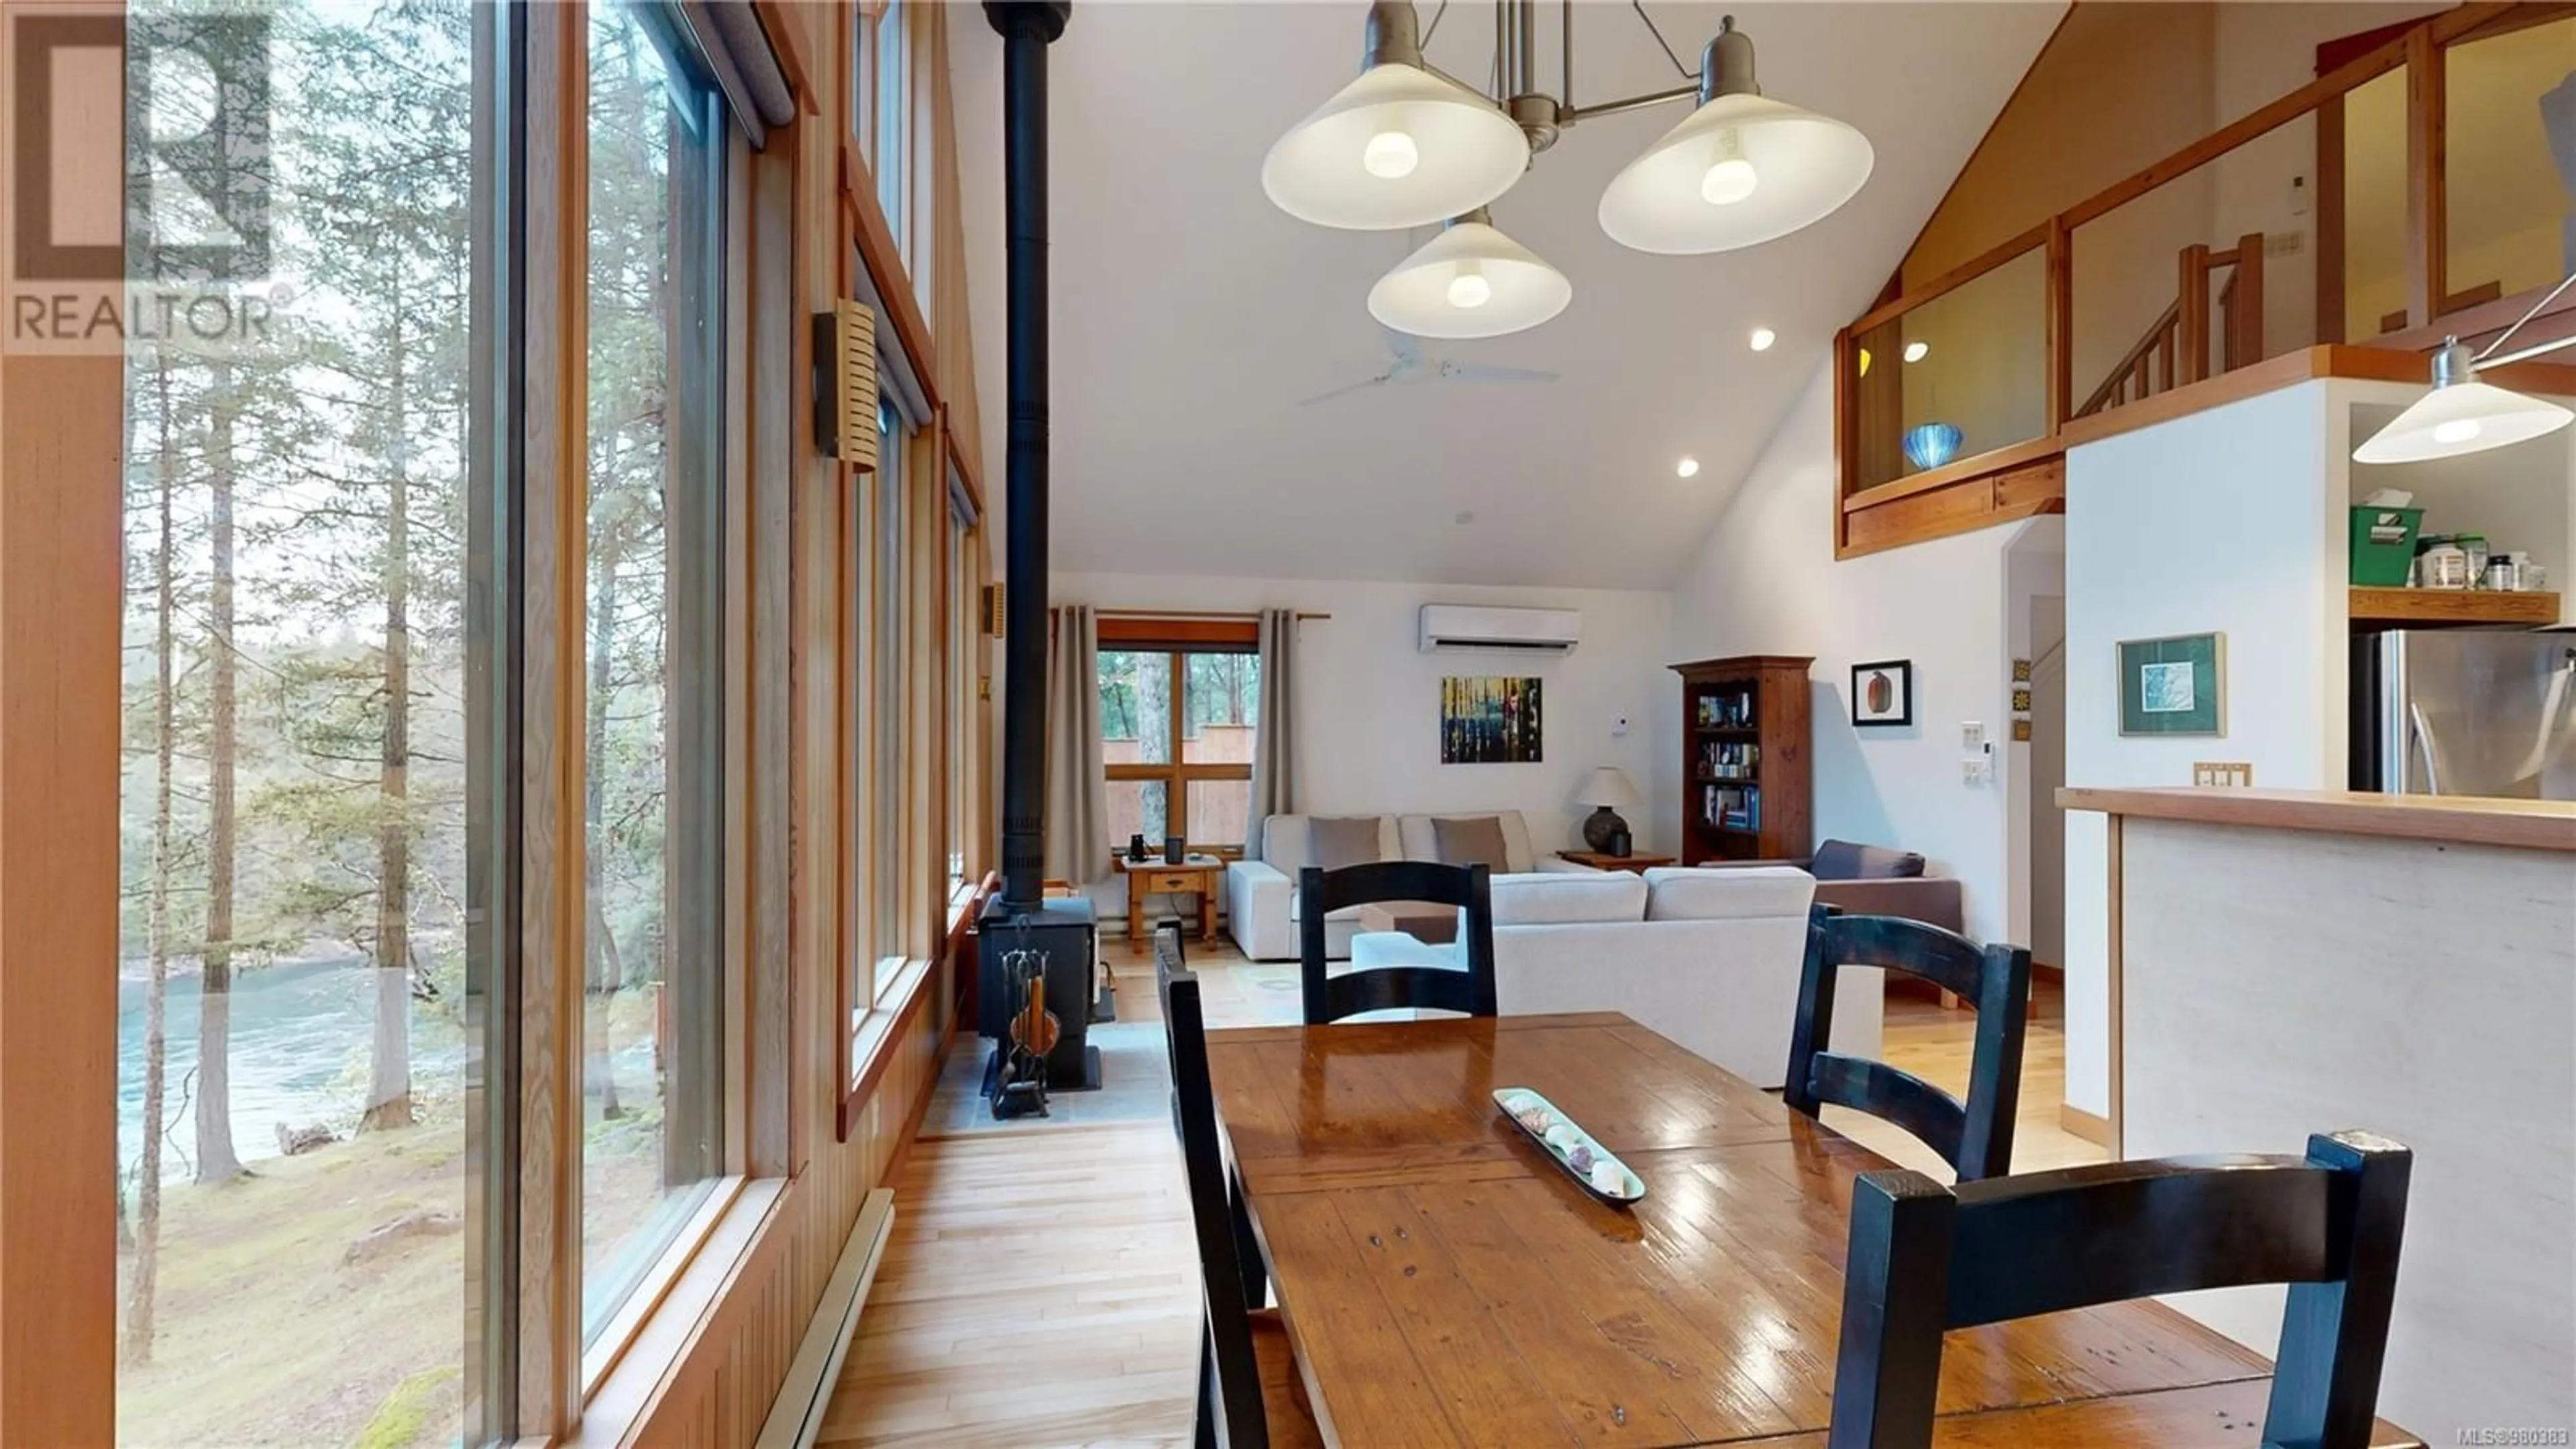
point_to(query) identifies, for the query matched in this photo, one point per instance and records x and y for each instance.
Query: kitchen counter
(2460, 820)
(2284, 962)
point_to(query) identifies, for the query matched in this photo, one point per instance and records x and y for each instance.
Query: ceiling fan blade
(1479, 372)
(1377, 381)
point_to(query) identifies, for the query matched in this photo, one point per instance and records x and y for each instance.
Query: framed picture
(1493, 720)
(2175, 686)
(2021, 701)
(1883, 693)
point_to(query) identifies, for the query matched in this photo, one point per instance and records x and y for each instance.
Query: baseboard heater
(797, 1415)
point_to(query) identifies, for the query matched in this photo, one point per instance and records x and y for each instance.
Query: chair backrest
(1925, 1259)
(1974, 1137)
(1237, 1396)
(1468, 887)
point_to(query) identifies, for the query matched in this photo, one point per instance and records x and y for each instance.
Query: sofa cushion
(1420, 838)
(1334, 841)
(1674, 893)
(1287, 841)
(1843, 860)
(1557, 900)
(1471, 840)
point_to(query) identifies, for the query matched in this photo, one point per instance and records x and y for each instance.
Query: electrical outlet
(1972, 735)
(2223, 774)
(1976, 770)
(2285, 243)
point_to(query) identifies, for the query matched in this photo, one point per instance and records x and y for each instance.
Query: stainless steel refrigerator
(2465, 712)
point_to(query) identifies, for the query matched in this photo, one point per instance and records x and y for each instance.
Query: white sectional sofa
(1708, 958)
(1261, 895)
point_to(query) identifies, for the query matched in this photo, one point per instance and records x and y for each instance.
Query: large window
(885, 525)
(652, 1075)
(1176, 728)
(294, 1045)
(965, 687)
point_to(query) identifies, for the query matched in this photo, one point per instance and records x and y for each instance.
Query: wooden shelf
(1739, 732)
(2450, 608)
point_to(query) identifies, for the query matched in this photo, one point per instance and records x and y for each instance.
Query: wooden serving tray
(1514, 1101)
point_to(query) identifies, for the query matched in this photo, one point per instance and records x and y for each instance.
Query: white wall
(2034, 621)
(1766, 582)
(2229, 520)
(1368, 702)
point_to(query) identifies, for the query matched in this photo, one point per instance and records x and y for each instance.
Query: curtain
(1077, 793)
(1274, 737)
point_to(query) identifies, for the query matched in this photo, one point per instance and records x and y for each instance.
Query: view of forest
(1220, 699)
(295, 1041)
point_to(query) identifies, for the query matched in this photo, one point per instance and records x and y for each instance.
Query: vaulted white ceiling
(1190, 316)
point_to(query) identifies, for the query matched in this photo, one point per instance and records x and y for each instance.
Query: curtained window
(1179, 700)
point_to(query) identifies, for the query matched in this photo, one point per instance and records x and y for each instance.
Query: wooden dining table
(1444, 1282)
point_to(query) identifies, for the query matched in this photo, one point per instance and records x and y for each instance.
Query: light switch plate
(1976, 770)
(2223, 774)
(1972, 735)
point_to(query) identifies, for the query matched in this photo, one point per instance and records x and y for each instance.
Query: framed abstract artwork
(2174, 686)
(1883, 693)
(1491, 720)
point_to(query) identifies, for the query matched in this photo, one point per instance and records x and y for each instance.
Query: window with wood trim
(1179, 699)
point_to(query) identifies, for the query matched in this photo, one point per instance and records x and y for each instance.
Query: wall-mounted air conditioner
(1469, 629)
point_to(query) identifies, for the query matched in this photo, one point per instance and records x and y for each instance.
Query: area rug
(1135, 1086)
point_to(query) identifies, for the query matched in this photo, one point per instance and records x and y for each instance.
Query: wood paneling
(62, 423)
(1962, 470)
(1955, 509)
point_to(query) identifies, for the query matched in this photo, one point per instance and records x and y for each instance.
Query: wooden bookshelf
(1747, 791)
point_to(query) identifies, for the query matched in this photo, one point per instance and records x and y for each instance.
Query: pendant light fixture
(2463, 415)
(1469, 281)
(1739, 170)
(1398, 147)
(1406, 144)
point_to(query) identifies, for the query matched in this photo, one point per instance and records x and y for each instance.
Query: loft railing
(1953, 401)
(2175, 349)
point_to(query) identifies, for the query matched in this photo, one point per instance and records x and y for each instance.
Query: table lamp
(1607, 790)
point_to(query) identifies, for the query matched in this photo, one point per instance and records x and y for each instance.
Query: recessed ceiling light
(1915, 351)
(1686, 467)
(1763, 337)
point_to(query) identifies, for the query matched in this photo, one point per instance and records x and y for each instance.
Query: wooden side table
(1639, 864)
(1152, 877)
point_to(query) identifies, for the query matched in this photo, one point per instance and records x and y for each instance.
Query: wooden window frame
(1178, 638)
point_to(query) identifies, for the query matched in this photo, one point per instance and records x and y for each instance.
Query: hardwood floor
(1041, 1285)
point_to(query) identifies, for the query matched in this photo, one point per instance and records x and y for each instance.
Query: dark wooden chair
(1330, 998)
(1974, 1137)
(1925, 1259)
(1248, 1380)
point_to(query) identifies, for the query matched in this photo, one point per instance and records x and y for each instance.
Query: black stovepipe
(1027, 28)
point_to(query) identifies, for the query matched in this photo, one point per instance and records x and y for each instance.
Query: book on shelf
(1732, 807)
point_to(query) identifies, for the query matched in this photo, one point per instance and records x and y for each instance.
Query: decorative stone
(1580, 1159)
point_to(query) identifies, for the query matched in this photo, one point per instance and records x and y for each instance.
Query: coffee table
(1429, 922)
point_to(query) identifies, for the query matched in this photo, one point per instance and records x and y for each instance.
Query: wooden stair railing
(2176, 347)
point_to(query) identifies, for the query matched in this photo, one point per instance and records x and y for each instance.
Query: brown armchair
(1876, 880)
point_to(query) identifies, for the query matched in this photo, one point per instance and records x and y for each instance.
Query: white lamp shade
(1456, 152)
(1607, 785)
(1469, 281)
(2465, 417)
(1777, 168)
